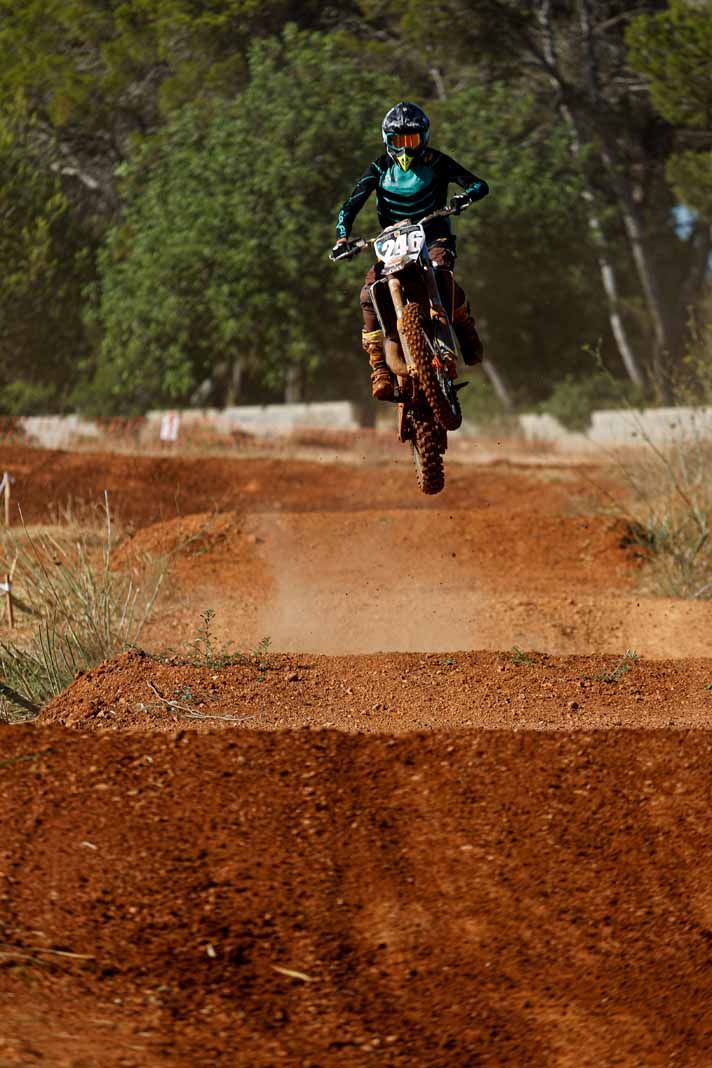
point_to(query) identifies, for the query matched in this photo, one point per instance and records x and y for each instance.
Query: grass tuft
(205, 651)
(668, 515)
(82, 611)
(616, 673)
(518, 656)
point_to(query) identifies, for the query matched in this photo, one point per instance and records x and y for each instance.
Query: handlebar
(353, 247)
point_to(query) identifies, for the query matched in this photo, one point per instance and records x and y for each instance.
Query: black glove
(459, 202)
(342, 250)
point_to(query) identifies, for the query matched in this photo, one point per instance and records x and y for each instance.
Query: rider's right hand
(341, 249)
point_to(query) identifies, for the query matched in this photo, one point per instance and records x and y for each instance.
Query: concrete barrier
(621, 427)
(662, 426)
(259, 421)
(267, 420)
(59, 431)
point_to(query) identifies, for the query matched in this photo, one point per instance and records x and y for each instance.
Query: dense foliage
(170, 174)
(240, 284)
(674, 51)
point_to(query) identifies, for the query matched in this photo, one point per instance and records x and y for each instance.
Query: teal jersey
(410, 194)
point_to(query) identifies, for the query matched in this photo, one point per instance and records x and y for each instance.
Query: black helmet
(406, 129)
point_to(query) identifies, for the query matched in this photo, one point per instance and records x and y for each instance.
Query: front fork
(401, 366)
(442, 319)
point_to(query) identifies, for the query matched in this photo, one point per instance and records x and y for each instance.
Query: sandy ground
(448, 818)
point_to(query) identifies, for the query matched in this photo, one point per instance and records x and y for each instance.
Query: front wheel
(439, 392)
(427, 457)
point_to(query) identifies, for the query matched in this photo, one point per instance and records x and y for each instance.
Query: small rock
(573, 706)
(293, 676)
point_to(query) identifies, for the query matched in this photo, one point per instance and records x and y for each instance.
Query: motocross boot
(381, 377)
(470, 343)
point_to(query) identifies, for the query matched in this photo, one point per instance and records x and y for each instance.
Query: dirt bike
(414, 305)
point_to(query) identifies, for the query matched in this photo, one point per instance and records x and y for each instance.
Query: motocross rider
(411, 181)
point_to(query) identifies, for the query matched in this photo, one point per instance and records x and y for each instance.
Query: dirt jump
(449, 805)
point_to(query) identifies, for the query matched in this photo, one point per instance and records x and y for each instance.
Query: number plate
(404, 243)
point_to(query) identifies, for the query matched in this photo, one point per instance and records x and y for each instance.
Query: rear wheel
(425, 443)
(439, 392)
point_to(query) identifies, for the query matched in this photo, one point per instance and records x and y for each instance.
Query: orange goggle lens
(411, 140)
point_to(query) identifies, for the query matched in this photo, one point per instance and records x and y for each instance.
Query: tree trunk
(630, 213)
(234, 382)
(498, 384)
(294, 385)
(700, 244)
(608, 274)
(647, 272)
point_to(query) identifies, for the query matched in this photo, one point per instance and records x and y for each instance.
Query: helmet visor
(405, 140)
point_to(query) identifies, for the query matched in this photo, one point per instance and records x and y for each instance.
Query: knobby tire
(427, 457)
(446, 412)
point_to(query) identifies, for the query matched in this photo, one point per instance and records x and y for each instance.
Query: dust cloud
(361, 583)
(426, 581)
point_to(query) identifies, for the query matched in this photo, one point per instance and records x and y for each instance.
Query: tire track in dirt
(482, 898)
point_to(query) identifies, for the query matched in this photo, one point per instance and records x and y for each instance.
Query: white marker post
(170, 425)
(6, 587)
(5, 485)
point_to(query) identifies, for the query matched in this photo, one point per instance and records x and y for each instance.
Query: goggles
(405, 140)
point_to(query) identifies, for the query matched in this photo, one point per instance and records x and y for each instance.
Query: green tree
(673, 50)
(83, 83)
(221, 254)
(47, 257)
(520, 253)
(88, 76)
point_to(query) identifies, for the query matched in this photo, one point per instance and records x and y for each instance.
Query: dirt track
(483, 898)
(460, 896)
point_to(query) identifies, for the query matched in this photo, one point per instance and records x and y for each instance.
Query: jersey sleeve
(360, 194)
(475, 188)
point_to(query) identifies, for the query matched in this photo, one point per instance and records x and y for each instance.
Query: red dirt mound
(390, 692)
(213, 564)
(325, 900)
(149, 489)
(188, 535)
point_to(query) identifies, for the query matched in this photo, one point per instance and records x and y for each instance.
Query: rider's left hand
(459, 202)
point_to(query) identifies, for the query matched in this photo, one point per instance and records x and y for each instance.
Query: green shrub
(28, 398)
(574, 398)
(480, 404)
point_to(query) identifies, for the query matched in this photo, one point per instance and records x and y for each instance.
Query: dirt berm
(319, 898)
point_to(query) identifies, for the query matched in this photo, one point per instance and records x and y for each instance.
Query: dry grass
(74, 609)
(668, 514)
